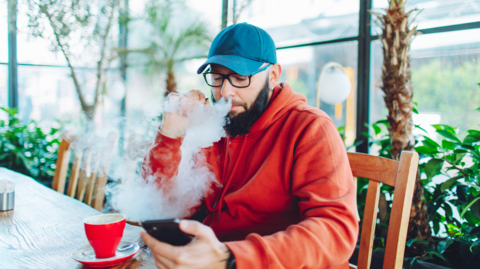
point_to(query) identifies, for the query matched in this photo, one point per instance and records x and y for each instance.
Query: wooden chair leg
(72, 185)
(100, 192)
(63, 159)
(99, 195)
(92, 180)
(400, 214)
(356, 206)
(369, 224)
(85, 174)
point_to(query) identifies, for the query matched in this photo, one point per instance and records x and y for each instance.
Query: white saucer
(92, 261)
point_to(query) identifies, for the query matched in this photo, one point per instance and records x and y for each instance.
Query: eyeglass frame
(228, 77)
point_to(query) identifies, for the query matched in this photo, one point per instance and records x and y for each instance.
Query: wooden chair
(88, 178)
(400, 175)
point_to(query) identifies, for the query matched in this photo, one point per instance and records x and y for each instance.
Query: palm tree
(172, 43)
(396, 37)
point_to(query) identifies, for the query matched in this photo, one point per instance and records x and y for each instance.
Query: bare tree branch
(84, 105)
(103, 44)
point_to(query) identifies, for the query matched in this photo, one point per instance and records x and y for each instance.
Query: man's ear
(275, 73)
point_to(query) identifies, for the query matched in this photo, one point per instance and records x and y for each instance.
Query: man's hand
(205, 251)
(182, 111)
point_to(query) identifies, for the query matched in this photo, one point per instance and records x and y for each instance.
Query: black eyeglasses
(216, 80)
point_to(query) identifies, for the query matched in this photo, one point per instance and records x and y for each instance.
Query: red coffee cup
(104, 233)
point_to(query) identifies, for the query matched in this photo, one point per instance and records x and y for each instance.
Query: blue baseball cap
(242, 48)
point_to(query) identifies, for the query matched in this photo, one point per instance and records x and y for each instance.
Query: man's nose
(227, 89)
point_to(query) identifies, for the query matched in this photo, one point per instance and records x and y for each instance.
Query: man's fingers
(147, 239)
(157, 247)
(201, 96)
(193, 95)
(159, 264)
(196, 229)
(164, 261)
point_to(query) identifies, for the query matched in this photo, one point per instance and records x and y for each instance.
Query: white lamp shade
(334, 87)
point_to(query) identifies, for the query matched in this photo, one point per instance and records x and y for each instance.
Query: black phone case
(166, 230)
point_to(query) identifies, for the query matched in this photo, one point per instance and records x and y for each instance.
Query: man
(287, 196)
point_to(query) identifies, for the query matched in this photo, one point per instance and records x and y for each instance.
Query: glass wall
(436, 13)
(32, 50)
(3, 85)
(3, 55)
(46, 93)
(316, 21)
(288, 24)
(445, 66)
(146, 84)
(302, 66)
(3, 32)
(45, 86)
(445, 71)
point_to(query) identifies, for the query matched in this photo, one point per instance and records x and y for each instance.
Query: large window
(32, 50)
(3, 55)
(435, 13)
(303, 21)
(146, 85)
(302, 66)
(3, 33)
(308, 34)
(3, 85)
(445, 71)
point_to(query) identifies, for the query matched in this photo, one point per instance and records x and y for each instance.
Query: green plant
(450, 173)
(453, 197)
(28, 148)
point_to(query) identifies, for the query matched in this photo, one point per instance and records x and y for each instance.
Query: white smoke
(140, 198)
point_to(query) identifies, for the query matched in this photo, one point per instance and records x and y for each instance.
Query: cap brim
(237, 64)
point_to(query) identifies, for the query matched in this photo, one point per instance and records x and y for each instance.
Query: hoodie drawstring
(231, 175)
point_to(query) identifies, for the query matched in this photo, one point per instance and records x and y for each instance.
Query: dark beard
(241, 123)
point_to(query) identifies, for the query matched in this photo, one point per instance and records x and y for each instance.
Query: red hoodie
(287, 195)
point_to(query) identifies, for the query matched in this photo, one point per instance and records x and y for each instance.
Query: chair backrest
(400, 175)
(88, 173)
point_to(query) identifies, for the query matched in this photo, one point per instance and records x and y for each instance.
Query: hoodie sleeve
(161, 163)
(162, 159)
(323, 183)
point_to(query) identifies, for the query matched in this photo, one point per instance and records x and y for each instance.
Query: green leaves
(443, 245)
(446, 131)
(453, 229)
(468, 206)
(433, 168)
(428, 150)
(472, 137)
(28, 148)
(429, 142)
(449, 135)
(448, 145)
(456, 162)
(377, 129)
(449, 183)
(10, 111)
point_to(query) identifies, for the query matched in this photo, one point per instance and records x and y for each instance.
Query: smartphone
(166, 230)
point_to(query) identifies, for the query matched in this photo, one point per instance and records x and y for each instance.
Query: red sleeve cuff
(174, 142)
(247, 254)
